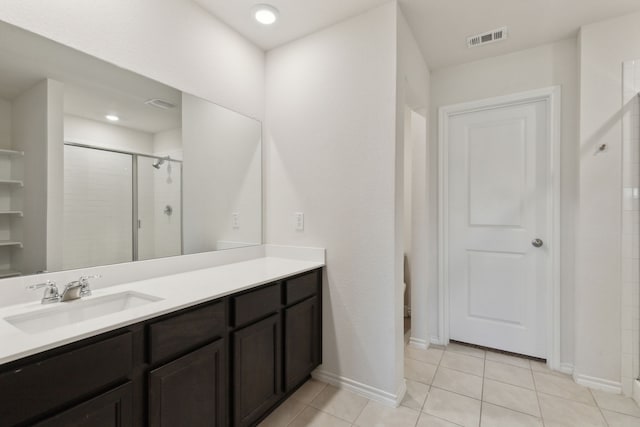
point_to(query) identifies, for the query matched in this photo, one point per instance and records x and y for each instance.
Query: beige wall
(539, 67)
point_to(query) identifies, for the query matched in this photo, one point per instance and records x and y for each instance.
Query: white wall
(175, 42)
(37, 130)
(412, 88)
(408, 203)
(603, 48)
(539, 67)
(629, 313)
(168, 143)
(105, 135)
(330, 153)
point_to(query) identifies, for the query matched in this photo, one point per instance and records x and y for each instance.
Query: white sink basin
(68, 313)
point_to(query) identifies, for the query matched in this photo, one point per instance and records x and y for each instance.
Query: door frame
(552, 97)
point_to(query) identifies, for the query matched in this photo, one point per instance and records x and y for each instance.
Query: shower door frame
(134, 193)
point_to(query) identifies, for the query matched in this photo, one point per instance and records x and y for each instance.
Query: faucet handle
(85, 291)
(51, 293)
(41, 285)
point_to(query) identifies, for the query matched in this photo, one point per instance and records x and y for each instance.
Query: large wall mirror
(99, 165)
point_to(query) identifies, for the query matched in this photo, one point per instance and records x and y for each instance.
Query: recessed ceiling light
(265, 14)
(112, 117)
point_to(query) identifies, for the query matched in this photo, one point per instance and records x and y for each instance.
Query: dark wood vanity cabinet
(190, 391)
(111, 409)
(302, 341)
(223, 363)
(257, 379)
(68, 378)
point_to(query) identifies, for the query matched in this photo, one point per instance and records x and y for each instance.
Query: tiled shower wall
(631, 226)
(97, 208)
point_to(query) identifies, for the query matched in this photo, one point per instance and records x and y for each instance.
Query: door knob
(537, 243)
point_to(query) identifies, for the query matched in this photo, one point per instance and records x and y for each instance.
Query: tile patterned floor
(463, 386)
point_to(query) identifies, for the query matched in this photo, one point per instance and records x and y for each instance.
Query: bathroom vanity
(116, 174)
(201, 354)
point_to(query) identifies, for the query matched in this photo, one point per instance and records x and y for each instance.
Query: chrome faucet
(51, 293)
(78, 288)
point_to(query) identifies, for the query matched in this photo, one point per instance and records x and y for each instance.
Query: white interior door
(497, 195)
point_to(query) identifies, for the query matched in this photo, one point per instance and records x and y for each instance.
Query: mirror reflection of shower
(161, 161)
(114, 197)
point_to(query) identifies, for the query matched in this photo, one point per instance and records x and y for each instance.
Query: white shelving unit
(12, 182)
(10, 210)
(13, 153)
(19, 213)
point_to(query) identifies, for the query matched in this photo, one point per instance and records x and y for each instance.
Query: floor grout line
(535, 389)
(484, 370)
(598, 406)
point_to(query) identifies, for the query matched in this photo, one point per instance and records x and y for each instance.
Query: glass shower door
(159, 207)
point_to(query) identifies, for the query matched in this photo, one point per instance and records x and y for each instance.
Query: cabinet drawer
(302, 287)
(181, 333)
(256, 304)
(53, 382)
(113, 408)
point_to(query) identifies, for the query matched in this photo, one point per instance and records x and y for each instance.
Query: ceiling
(297, 17)
(440, 26)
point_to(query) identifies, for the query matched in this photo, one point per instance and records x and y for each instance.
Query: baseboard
(566, 368)
(436, 341)
(367, 391)
(418, 343)
(636, 391)
(598, 383)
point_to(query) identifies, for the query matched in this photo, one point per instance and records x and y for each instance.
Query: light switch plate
(235, 220)
(299, 218)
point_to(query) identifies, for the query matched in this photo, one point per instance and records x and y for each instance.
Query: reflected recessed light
(265, 14)
(112, 117)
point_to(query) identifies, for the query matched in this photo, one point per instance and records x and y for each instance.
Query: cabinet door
(111, 409)
(301, 342)
(189, 391)
(257, 370)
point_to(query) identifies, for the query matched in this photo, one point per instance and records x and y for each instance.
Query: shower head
(159, 162)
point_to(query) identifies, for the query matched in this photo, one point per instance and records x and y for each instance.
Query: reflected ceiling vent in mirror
(493, 36)
(160, 103)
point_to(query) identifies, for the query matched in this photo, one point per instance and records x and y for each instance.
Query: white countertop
(177, 291)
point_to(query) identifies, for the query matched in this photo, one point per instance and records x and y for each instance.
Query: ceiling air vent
(488, 37)
(160, 103)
